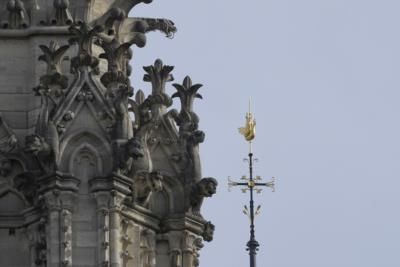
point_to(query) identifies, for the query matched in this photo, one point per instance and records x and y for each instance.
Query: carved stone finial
(62, 14)
(159, 74)
(53, 56)
(17, 15)
(84, 36)
(187, 92)
(118, 57)
(187, 119)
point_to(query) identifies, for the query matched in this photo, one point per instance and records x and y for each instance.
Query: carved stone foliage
(52, 56)
(85, 140)
(158, 74)
(83, 36)
(117, 56)
(187, 120)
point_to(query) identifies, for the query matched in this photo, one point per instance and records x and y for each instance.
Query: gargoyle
(144, 185)
(38, 147)
(206, 187)
(131, 151)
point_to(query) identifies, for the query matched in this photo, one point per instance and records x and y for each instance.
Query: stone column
(147, 248)
(115, 229)
(103, 228)
(52, 202)
(175, 249)
(67, 200)
(191, 245)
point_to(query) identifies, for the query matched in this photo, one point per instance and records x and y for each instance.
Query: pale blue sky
(325, 79)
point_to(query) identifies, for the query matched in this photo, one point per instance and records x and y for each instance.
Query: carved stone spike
(62, 15)
(84, 36)
(17, 15)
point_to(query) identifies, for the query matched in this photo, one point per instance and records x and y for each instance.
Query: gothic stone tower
(91, 172)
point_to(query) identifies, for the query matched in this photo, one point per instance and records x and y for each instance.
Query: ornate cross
(251, 184)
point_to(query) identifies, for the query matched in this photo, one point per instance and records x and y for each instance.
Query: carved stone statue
(206, 187)
(94, 155)
(144, 185)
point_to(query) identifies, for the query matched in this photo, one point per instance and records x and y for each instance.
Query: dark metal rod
(252, 245)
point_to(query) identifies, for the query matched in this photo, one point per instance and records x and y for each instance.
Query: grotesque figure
(5, 167)
(206, 187)
(144, 185)
(131, 151)
(208, 232)
(37, 146)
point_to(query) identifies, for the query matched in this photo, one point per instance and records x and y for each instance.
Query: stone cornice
(34, 31)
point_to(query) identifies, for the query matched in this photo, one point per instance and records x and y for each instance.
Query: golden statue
(249, 130)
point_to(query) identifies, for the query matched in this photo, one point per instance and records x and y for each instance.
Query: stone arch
(90, 143)
(11, 202)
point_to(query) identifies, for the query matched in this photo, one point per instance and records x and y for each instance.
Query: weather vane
(251, 184)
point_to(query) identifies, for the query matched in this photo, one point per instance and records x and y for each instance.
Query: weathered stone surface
(81, 183)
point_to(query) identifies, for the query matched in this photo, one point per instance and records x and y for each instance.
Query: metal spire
(251, 184)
